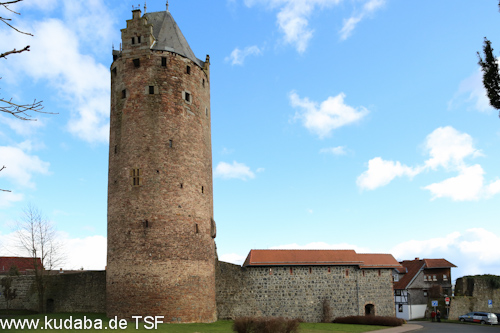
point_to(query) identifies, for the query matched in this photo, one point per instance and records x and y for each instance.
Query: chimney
(417, 258)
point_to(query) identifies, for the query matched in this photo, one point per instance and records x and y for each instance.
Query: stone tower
(161, 249)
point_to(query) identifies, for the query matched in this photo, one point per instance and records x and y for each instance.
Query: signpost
(490, 303)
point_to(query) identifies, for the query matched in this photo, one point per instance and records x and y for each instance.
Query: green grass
(219, 326)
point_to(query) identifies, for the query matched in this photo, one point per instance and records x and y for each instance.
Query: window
(136, 174)
(116, 149)
(203, 83)
(188, 69)
(396, 278)
(363, 272)
(202, 189)
(347, 272)
(425, 277)
(400, 307)
(270, 271)
(139, 40)
(187, 97)
(151, 90)
(170, 143)
(164, 61)
(114, 71)
(196, 228)
(434, 277)
(397, 292)
(445, 277)
(124, 93)
(329, 269)
(291, 271)
(425, 293)
(133, 40)
(310, 270)
(137, 63)
(379, 272)
(206, 112)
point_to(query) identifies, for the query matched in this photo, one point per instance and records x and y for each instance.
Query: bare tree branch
(4, 55)
(18, 110)
(38, 240)
(21, 110)
(0, 188)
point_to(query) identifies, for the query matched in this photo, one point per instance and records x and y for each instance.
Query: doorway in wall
(369, 310)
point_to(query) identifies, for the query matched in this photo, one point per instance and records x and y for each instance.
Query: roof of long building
(169, 36)
(319, 258)
(22, 264)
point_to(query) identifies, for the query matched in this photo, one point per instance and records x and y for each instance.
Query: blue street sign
(434, 303)
(490, 302)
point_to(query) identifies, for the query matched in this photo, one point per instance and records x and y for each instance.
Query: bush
(265, 325)
(370, 320)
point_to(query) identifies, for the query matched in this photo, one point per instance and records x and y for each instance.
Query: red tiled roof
(438, 263)
(22, 264)
(319, 258)
(412, 267)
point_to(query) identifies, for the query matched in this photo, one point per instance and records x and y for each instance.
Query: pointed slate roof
(169, 37)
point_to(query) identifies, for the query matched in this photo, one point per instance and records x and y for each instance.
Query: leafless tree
(19, 110)
(38, 240)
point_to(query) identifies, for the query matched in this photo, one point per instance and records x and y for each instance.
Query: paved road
(430, 327)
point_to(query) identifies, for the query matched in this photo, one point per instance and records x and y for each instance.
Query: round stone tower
(161, 249)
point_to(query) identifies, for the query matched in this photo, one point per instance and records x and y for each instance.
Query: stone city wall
(76, 292)
(472, 294)
(299, 291)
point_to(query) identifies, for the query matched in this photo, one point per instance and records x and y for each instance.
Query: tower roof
(169, 37)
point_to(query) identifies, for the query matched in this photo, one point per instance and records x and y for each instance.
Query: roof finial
(167, 7)
(145, 6)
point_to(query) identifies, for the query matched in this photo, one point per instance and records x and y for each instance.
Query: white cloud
(448, 148)
(294, 15)
(56, 58)
(88, 252)
(472, 251)
(20, 166)
(350, 24)
(330, 114)
(471, 92)
(25, 128)
(235, 170)
(7, 198)
(466, 186)
(233, 258)
(339, 150)
(381, 173)
(238, 56)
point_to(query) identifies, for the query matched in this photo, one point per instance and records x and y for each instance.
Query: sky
(336, 124)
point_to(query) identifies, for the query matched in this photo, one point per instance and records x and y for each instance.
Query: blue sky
(344, 124)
